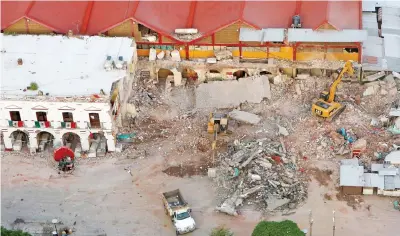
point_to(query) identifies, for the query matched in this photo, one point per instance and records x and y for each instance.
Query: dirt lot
(101, 197)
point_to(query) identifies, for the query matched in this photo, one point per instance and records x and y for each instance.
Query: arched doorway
(45, 140)
(97, 144)
(71, 140)
(164, 73)
(240, 74)
(19, 140)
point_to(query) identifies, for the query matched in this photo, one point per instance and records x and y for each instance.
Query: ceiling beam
(190, 19)
(86, 17)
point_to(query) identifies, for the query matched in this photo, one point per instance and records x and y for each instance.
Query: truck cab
(183, 222)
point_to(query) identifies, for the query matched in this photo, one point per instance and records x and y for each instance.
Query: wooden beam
(190, 19)
(86, 17)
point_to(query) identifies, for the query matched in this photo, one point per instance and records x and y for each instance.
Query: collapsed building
(59, 90)
(379, 178)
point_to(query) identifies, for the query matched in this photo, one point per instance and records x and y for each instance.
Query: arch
(265, 72)
(19, 139)
(164, 73)
(45, 140)
(71, 140)
(97, 144)
(240, 74)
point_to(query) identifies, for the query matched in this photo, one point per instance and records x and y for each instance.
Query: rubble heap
(260, 172)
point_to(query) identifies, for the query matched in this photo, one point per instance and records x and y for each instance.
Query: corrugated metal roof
(353, 161)
(376, 167)
(329, 36)
(351, 175)
(372, 180)
(263, 35)
(388, 171)
(389, 183)
(393, 157)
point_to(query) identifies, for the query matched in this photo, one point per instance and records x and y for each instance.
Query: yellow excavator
(327, 107)
(217, 124)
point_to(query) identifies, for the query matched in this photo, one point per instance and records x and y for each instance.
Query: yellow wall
(36, 28)
(17, 27)
(124, 29)
(201, 54)
(308, 56)
(336, 56)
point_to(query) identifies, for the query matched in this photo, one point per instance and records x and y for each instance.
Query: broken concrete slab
(223, 55)
(369, 91)
(376, 76)
(396, 75)
(152, 54)
(245, 117)
(175, 56)
(302, 76)
(275, 202)
(283, 131)
(177, 77)
(231, 93)
(160, 55)
(211, 60)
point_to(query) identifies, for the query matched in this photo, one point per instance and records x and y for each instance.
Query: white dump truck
(179, 211)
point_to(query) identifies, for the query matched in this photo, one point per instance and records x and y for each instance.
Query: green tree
(221, 231)
(7, 232)
(272, 228)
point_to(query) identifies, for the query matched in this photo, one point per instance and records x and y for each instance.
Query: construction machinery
(327, 107)
(218, 124)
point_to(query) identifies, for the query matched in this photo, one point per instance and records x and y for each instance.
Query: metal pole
(311, 222)
(334, 227)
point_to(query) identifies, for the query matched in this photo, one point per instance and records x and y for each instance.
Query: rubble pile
(260, 172)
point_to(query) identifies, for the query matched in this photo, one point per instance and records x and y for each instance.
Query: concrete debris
(277, 79)
(376, 76)
(212, 172)
(371, 90)
(223, 55)
(283, 131)
(160, 55)
(152, 54)
(298, 89)
(302, 76)
(211, 60)
(395, 74)
(269, 180)
(218, 94)
(244, 117)
(175, 56)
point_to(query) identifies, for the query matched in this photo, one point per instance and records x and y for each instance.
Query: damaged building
(55, 91)
(293, 30)
(381, 179)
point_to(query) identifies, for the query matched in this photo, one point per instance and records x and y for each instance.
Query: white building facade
(73, 78)
(57, 118)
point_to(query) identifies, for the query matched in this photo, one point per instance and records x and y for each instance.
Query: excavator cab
(218, 122)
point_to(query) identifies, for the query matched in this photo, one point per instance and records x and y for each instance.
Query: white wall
(54, 110)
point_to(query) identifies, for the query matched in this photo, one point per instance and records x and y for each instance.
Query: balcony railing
(97, 125)
(68, 125)
(13, 123)
(42, 124)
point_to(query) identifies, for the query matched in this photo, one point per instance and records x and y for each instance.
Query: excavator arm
(348, 67)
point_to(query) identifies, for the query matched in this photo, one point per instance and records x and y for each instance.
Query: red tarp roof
(165, 16)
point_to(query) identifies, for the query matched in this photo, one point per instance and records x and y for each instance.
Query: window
(15, 116)
(41, 116)
(67, 117)
(94, 120)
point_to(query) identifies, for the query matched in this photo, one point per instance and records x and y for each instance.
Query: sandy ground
(101, 197)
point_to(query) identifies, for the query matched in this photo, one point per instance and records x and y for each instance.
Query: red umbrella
(63, 152)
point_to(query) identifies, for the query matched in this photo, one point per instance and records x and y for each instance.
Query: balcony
(12, 123)
(42, 124)
(95, 125)
(68, 125)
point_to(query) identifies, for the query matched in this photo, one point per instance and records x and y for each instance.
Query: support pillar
(110, 143)
(85, 143)
(7, 141)
(294, 72)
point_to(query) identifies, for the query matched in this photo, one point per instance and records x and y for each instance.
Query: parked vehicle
(179, 211)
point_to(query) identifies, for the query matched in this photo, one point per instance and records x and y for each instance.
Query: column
(110, 143)
(7, 140)
(85, 143)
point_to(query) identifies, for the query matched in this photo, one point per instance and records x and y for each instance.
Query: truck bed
(174, 198)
